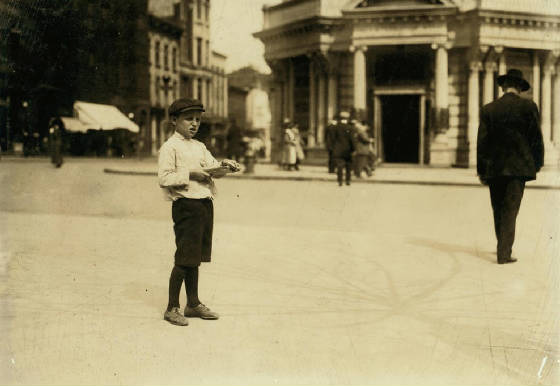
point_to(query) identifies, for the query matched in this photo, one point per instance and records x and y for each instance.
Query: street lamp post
(166, 88)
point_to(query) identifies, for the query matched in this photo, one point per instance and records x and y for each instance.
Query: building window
(209, 93)
(185, 93)
(199, 51)
(207, 10)
(166, 57)
(156, 50)
(199, 9)
(156, 91)
(207, 54)
(174, 59)
(199, 90)
(175, 90)
(195, 88)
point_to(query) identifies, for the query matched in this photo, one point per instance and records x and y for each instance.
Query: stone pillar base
(552, 155)
(440, 153)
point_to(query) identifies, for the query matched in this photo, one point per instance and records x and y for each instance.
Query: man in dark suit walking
(510, 152)
(343, 147)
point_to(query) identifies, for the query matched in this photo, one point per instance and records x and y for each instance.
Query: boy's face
(187, 123)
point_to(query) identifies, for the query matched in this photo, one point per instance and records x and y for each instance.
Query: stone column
(488, 90)
(359, 77)
(332, 107)
(439, 149)
(550, 155)
(291, 88)
(502, 66)
(536, 78)
(312, 105)
(556, 108)
(285, 90)
(474, 110)
(441, 88)
(546, 102)
(321, 104)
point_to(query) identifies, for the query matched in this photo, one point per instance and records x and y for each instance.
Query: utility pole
(166, 88)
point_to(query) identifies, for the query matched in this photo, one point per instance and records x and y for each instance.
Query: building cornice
(399, 10)
(284, 4)
(313, 24)
(518, 18)
(167, 27)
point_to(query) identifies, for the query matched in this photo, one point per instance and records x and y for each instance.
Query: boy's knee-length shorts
(193, 220)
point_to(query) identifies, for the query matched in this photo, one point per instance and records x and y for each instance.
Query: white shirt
(177, 156)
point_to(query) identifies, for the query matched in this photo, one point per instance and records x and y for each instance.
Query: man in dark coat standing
(56, 132)
(329, 143)
(343, 146)
(510, 151)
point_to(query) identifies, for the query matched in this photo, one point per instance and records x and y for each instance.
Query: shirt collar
(180, 136)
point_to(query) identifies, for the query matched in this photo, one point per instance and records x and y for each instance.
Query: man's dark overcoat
(510, 141)
(343, 141)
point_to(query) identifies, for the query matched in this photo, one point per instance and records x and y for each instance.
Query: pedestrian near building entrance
(510, 152)
(185, 172)
(300, 155)
(56, 132)
(364, 150)
(329, 144)
(234, 141)
(289, 150)
(343, 146)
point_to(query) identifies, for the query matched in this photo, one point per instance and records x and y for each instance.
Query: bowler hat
(185, 104)
(515, 76)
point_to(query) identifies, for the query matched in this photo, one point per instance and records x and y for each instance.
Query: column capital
(322, 61)
(446, 46)
(475, 65)
(549, 62)
(499, 49)
(354, 48)
(490, 66)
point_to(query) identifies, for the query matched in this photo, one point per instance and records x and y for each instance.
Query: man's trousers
(506, 194)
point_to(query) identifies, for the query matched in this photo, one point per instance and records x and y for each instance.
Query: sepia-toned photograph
(280, 192)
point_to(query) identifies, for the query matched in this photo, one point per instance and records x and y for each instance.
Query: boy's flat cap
(185, 104)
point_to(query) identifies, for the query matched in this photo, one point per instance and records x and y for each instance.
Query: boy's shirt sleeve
(168, 173)
(209, 160)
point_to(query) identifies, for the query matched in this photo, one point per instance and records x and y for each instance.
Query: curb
(331, 180)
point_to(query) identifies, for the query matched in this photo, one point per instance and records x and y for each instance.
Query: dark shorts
(193, 220)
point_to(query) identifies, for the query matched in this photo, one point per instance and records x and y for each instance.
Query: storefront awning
(103, 117)
(73, 124)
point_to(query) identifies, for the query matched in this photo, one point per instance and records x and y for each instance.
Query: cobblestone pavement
(316, 284)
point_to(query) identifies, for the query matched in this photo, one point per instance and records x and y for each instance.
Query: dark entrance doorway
(400, 128)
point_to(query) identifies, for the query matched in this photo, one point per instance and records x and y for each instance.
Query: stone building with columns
(417, 71)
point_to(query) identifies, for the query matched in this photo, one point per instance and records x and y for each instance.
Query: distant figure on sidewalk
(184, 174)
(343, 147)
(56, 133)
(234, 141)
(300, 155)
(364, 150)
(510, 152)
(329, 144)
(289, 151)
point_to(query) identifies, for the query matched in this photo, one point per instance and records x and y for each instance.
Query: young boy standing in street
(185, 171)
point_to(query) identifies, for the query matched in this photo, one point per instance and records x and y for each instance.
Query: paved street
(316, 284)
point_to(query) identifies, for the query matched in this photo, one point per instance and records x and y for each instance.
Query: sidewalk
(384, 174)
